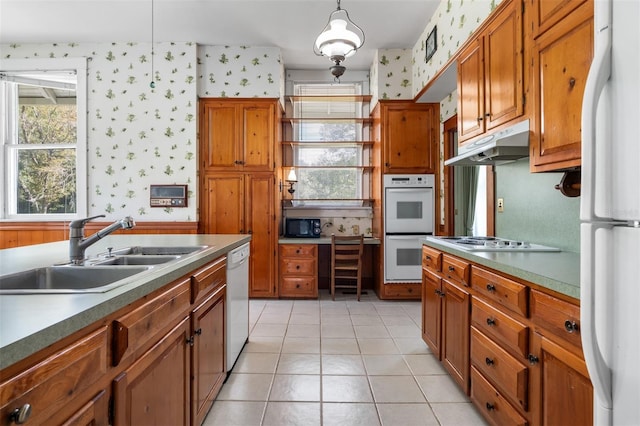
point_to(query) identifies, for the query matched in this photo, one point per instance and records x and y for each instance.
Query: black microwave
(302, 228)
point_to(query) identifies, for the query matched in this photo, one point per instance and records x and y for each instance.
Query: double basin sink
(97, 275)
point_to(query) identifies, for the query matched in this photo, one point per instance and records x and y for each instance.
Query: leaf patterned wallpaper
(391, 75)
(138, 136)
(456, 20)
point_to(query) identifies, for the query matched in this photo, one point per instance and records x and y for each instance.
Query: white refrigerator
(610, 215)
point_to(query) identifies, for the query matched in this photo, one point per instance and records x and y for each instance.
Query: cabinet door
(455, 333)
(223, 204)
(503, 67)
(258, 135)
(562, 57)
(220, 136)
(410, 133)
(155, 389)
(208, 354)
(471, 90)
(261, 224)
(561, 392)
(431, 311)
(93, 413)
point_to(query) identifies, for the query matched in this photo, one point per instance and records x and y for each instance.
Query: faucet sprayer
(78, 244)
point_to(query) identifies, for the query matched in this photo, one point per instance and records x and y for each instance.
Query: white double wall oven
(409, 210)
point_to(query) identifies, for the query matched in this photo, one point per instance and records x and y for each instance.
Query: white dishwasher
(237, 316)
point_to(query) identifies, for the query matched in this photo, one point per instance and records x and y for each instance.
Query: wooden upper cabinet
(490, 74)
(561, 59)
(547, 13)
(238, 135)
(409, 134)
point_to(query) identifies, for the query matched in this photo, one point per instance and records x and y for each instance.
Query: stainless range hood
(501, 147)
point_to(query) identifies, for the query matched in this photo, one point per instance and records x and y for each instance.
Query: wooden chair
(346, 263)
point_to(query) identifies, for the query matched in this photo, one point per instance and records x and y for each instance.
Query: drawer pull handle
(452, 269)
(570, 326)
(490, 406)
(489, 361)
(428, 257)
(297, 266)
(20, 415)
(491, 287)
(297, 285)
(533, 360)
(198, 332)
(491, 322)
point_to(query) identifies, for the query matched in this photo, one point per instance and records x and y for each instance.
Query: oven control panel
(404, 181)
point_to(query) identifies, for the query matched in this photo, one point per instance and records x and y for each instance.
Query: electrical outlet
(500, 205)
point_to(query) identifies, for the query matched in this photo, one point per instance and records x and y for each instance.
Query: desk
(305, 266)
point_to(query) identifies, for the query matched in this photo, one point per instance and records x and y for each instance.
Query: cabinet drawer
(141, 326)
(500, 327)
(508, 293)
(506, 372)
(557, 316)
(58, 380)
(299, 287)
(491, 404)
(298, 250)
(455, 269)
(208, 278)
(295, 266)
(402, 291)
(431, 258)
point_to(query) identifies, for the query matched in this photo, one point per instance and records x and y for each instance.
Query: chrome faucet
(78, 243)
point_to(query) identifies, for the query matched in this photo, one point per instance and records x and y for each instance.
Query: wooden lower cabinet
(456, 310)
(208, 354)
(517, 348)
(446, 311)
(431, 310)
(155, 388)
(561, 389)
(160, 360)
(298, 270)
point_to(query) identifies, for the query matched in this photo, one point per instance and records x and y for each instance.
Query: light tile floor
(342, 362)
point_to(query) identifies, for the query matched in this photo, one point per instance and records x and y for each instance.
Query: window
(43, 127)
(330, 153)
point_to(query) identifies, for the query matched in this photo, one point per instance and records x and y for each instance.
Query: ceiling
(291, 25)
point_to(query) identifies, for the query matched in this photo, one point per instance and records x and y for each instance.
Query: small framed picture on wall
(431, 45)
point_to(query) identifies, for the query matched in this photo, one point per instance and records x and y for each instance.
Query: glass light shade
(291, 177)
(337, 40)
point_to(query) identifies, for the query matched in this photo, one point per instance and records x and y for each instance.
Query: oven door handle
(420, 189)
(407, 237)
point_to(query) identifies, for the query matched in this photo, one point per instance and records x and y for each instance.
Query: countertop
(29, 323)
(557, 271)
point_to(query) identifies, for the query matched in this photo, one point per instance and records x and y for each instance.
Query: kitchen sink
(136, 259)
(157, 250)
(68, 279)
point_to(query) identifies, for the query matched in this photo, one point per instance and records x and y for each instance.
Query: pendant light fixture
(339, 39)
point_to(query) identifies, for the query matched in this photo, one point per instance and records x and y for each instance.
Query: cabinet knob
(491, 287)
(297, 266)
(428, 257)
(452, 269)
(480, 118)
(297, 285)
(570, 326)
(533, 360)
(488, 361)
(20, 415)
(491, 322)
(198, 331)
(490, 406)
